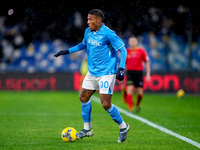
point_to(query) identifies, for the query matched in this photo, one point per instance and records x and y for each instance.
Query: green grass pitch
(34, 121)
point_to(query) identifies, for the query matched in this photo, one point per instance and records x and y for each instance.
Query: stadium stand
(28, 41)
(171, 55)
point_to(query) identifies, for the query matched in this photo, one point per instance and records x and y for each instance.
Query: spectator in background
(135, 57)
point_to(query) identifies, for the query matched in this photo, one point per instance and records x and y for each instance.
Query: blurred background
(31, 32)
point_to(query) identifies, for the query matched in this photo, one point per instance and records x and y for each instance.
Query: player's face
(93, 22)
(132, 42)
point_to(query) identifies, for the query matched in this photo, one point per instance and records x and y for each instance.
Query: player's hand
(148, 77)
(62, 53)
(120, 74)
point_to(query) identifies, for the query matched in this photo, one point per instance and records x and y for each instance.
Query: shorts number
(104, 84)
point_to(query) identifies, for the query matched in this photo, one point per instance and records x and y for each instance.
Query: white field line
(96, 99)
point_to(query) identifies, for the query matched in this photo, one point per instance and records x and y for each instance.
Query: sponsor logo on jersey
(94, 42)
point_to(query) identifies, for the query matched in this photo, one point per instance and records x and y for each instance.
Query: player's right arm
(76, 48)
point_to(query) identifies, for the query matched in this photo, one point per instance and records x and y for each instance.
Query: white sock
(87, 125)
(122, 125)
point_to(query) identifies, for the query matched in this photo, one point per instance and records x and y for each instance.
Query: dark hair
(133, 35)
(98, 13)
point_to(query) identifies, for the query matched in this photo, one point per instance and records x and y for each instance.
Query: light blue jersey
(102, 47)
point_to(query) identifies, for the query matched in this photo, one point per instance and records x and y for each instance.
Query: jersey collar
(102, 27)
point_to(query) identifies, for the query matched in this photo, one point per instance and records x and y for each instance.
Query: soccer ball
(180, 93)
(69, 134)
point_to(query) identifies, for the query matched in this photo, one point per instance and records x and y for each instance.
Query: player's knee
(83, 98)
(106, 105)
(140, 94)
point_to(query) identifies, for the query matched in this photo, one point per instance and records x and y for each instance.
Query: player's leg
(139, 98)
(106, 84)
(115, 115)
(86, 106)
(129, 97)
(88, 89)
(129, 90)
(124, 93)
(112, 110)
(139, 90)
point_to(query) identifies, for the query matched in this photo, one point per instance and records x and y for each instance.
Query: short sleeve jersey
(102, 47)
(135, 58)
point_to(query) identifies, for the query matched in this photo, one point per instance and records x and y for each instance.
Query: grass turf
(34, 120)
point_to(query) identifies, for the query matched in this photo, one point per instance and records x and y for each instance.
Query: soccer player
(102, 63)
(135, 57)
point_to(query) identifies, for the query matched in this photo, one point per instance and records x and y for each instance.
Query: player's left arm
(148, 68)
(120, 71)
(123, 54)
(118, 44)
(148, 71)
